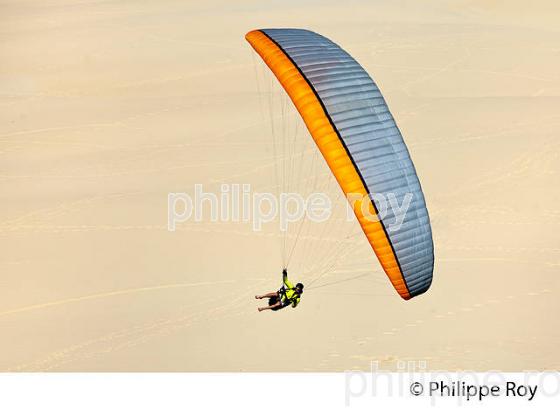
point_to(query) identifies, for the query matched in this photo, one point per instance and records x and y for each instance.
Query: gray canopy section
(367, 129)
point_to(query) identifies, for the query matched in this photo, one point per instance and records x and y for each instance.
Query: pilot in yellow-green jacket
(287, 295)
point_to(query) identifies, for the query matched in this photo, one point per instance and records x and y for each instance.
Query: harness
(284, 297)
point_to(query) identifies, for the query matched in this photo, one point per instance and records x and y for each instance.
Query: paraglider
(287, 295)
(356, 134)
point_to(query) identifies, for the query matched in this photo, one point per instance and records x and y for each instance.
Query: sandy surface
(106, 107)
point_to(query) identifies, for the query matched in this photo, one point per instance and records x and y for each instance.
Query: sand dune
(106, 107)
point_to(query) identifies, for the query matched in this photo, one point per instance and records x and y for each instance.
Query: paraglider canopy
(351, 125)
